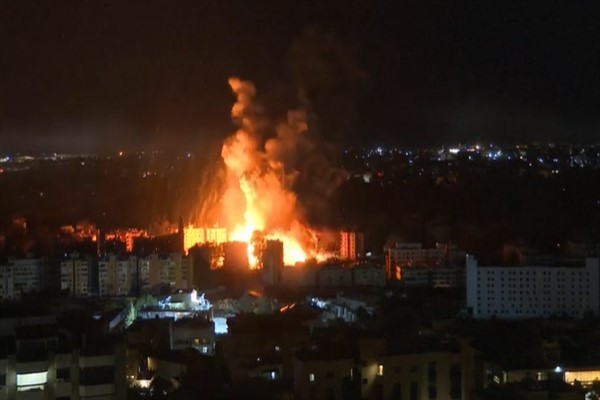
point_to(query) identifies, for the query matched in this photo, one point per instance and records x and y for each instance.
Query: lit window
(380, 370)
(311, 377)
(32, 380)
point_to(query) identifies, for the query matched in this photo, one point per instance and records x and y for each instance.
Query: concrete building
(235, 256)
(216, 235)
(198, 235)
(318, 376)
(194, 333)
(435, 277)
(174, 271)
(44, 364)
(192, 236)
(299, 277)
(352, 245)
(272, 262)
(415, 255)
(21, 276)
(75, 275)
(444, 373)
(116, 276)
(532, 291)
(203, 259)
(369, 275)
(334, 276)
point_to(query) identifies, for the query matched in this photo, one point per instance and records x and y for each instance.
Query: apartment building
(75, 274)
(20, 276)
(44, 364)
(444, 372)
(519, 292)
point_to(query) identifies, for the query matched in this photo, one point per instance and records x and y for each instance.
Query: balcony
(33, 394)
(107, 389)
(27, 367)
(62, 389)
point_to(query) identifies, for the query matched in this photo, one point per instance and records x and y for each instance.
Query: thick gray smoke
(318, 102)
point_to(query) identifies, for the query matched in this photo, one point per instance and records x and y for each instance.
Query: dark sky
(104, 75)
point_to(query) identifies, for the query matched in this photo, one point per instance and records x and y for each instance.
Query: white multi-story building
(75, 276)
(21, 276)
(532, 291)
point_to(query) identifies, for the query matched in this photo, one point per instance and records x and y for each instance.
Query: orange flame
(257, 197)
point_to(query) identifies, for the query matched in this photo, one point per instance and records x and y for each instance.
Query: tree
(131, 314)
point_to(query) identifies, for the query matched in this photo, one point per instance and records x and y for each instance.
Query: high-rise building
(173, 271)
(117, 276)
(204, 261)
(216, 235)
(415, 255)
(192, 236)
(200, 235)
(272, 262)
(75, 275)
(235, 256)
(351, 245)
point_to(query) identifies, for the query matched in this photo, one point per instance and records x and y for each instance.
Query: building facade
(75, 276)
(532, 291)
(272, 262)
(116, 275)
(369, 275)
(45, 365)
(351, 245)
(436, 277)
(21, 276)
(437, 374)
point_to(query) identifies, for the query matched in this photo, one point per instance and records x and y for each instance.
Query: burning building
(235, 256)
(272, 262)
(351, 245)
(193, 235)
(257, 194)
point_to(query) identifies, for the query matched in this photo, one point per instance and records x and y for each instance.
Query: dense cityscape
(397, 304)
(316, 200)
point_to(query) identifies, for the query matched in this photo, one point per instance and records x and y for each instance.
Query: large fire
(258, 201)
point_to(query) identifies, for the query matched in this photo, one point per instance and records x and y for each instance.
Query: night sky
(99, 76)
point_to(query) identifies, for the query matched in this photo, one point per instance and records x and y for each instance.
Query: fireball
(257, 197)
